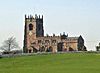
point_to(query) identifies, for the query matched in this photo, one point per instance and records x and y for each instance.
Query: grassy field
(52, 63)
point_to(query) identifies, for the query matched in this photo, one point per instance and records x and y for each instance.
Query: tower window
(30, 27)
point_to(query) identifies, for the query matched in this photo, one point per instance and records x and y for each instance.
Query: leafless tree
(9, 44)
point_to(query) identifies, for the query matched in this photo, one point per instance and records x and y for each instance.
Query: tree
(98, 47)
(9, 44)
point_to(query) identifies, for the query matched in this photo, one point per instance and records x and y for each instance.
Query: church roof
(74, 38)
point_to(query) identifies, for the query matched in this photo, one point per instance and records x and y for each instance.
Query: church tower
(33, 29)
(39, 26)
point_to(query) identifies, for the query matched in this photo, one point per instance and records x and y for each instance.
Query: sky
(74, 17)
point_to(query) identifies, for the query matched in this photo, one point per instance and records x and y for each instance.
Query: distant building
(34, 39)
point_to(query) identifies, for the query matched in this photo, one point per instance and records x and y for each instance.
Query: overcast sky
(75, 17)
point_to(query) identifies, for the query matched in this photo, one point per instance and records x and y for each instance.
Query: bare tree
(9, 44)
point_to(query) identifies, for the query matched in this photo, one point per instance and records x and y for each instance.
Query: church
(35, 41)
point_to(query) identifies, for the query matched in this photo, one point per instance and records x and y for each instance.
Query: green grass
(52, 63)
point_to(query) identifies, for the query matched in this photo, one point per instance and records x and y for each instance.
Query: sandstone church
(35, 41)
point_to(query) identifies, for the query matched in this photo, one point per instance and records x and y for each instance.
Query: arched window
(30, 27)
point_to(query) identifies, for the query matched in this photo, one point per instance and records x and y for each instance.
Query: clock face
(30, 33)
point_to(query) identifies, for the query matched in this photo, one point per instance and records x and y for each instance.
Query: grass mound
(52, 63)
